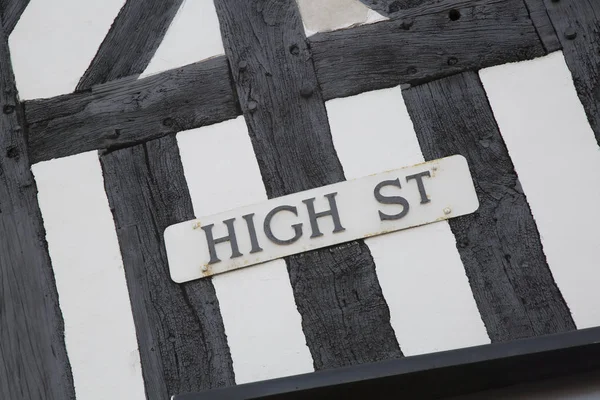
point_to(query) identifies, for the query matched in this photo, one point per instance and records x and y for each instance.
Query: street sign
(342, 212)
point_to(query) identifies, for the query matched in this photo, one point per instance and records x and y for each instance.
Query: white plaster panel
(329, 15)
(261, 320)
(421, 275)
(55, 41)
(194, 35)
(99, 329)
(557, 159)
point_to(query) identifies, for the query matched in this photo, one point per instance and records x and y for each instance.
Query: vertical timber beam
(345, 318)
(577, 25)
(499, 244)
(181, 337)
(543, 26)
(33, 357)
(180, 332)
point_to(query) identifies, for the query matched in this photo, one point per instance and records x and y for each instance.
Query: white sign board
(342, 212)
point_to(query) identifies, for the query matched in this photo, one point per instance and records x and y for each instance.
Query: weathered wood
(131, 42)
(180, 331)
(344, 315)
(129, 111)
(577, 25)
(420, 47)
(543, 26)
(34, 362)
(499, 244)
(423, 45)
(11, 11)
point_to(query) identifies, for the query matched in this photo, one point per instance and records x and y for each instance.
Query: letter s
(391, 200)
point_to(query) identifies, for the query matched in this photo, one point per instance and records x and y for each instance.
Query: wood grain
(34, 362)
(11, 11)
(131, 41)
(130, 111)
(180, 331)
(424, 44)
(344, 315)
(543, 25)
(499, 244)
(577, 25)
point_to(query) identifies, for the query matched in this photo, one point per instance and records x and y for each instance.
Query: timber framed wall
(447, 56)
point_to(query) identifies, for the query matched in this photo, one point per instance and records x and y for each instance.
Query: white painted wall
(193, 36)
(261, 320)
(55, 41)
(99, 330)
(329, 15)
(558, 160)
(420, 271)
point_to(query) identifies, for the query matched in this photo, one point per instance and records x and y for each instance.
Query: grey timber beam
(288, 126)
(499, 244)
(131, 42)
(129, 111)
(577, 26)
(543, 25)
(427, 43)
(11, 11)
(181, 338)
(423, 46)
(34, 362)
(179, 328)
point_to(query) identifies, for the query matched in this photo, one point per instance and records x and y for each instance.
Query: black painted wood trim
(131, 42)
(110, 114)
(499, 244)
(543, 25)
(34, 362)
(11, 11)
(434, 376)
(129, 111)
(289, 130)
(428, 43)
(179, 328)
(577, 25)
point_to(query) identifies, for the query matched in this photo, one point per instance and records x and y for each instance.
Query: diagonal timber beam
(11, 11)
(424, 45)
(128, 48)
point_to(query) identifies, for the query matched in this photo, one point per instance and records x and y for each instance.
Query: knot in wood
(8, 109)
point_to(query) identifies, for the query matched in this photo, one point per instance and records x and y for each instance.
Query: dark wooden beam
(129, 111)
(543, 25)
(577, 26)
(11, 11)
(179, 328)
(499, 244)
(289, 130)
(34, 362)
(427, 43)
(425, 46)
(131, 42)
(180, 332)
(434, 376)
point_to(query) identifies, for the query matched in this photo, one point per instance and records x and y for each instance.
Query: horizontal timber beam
(426, 43)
